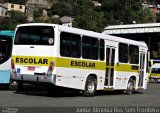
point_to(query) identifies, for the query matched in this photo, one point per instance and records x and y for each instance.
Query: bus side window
(90, 47)
(101, 49)
(123, 53)
(70, 45)
(133, 54)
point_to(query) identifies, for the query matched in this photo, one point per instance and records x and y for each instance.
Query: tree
(91, 20)
(17, 1)
(125, 12)
(112, 12)
(11, 22)
(54, 21)
(156, 54)
(61, 9)
(158, 18)
(18, 17)
(37, 13)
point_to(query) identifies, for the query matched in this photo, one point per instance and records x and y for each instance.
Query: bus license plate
(30, 68)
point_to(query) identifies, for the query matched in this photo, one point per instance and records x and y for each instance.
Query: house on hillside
(15, 7)
(3, 11)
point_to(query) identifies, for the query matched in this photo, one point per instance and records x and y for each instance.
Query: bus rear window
(34, 35)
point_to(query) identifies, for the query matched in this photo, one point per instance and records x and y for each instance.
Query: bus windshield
(5, 48)
(34, 35)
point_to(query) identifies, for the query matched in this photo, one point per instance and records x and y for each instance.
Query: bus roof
(7, 33)
(88, 33)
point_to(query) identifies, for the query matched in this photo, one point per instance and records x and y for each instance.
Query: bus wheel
(155, 81)
(12, 84)
(130, 87)
(90, 87)
(18, 86)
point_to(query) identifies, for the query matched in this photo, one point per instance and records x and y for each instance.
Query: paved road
(33, 96)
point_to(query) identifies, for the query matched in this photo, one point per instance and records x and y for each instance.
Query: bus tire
(130, 87)
(12, 84)
(19, 86)
(90, 87)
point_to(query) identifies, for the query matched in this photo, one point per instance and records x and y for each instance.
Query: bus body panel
(5, 71)
(76, 78)
(34, 58)
(6, 65)
(4, 76)
(122, 79)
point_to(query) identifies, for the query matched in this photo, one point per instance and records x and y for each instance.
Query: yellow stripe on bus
(155, 74)
(69, 63)
(32, 60)
(126, 67)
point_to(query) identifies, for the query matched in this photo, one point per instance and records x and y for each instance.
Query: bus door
(110, 63)
(142, 69)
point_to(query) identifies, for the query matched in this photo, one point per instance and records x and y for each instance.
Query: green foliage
(37, 13)
(125, 12)
(87, 16)
(15, 19)
(61, 9)
(158, 18)
(156, 54)
(18, 17)
(17, 1)
(54, 21)
(112, 12)
(91, 20)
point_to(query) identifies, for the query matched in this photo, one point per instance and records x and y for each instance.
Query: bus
(6, 42)
(65, 57)
(153, 61)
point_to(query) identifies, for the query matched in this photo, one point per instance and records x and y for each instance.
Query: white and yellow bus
(78, 59)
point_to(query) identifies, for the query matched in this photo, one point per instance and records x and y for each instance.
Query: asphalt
(36, 96)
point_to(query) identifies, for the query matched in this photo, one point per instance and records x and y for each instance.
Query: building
(15, 7)
(149, 33)
(3, 11)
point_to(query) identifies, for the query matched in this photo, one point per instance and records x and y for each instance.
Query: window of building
(20, 7)
(90, 47)
(123, 53)
(12, 6)
(70, 45)
(133, 54)
(101, 46)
